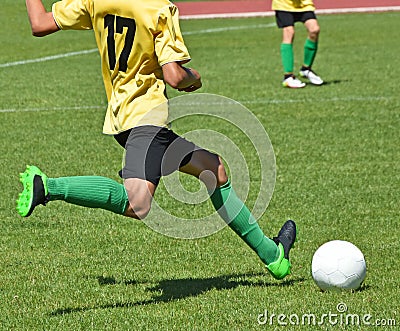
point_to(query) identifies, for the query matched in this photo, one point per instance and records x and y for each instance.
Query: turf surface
(337, 157)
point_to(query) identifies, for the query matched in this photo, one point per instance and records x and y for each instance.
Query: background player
(287, 13)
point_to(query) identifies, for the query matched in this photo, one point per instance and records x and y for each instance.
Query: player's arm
(180, 77)
(42, 21)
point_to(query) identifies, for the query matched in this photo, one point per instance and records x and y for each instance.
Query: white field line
(230, 28)
(47, 58)
(346, 99)
(226, 15)
(357, 10)
(17, 110)
(244, 102)
(89, 51)
(272, 13)
(258, 26)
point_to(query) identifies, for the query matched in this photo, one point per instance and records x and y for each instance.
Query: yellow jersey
(135, 38)
(293, 5)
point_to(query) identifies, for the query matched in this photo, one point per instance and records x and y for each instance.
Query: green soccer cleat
(280, 268)
(35, 191)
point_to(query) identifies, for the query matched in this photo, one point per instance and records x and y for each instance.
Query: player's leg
(87, 191)
(286, 50)
(140, 195)
(274, 253)
(313, 29)
(285, 21)
(311, 48)
(207, 167)
(145, 149)
(133, 199)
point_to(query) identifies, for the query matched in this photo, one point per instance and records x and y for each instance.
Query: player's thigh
(285, 21)
(141, 171)
(284, 18)
(152, 152)
(206, 166)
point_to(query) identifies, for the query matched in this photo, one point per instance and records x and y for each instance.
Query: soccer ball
(338, 264)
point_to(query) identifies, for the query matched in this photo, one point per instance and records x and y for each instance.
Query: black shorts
(152, 152)
(287, 18)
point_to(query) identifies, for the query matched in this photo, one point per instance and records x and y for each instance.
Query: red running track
(263, 7)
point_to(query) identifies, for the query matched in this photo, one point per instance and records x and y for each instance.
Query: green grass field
(338, 175)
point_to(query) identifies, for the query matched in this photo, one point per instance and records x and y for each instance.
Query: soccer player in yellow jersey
(142, 48)
(287, 13)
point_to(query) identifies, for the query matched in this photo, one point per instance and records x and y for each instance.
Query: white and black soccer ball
(338, 264)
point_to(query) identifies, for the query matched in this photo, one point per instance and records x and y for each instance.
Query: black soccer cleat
(287, 237)
(280, 268)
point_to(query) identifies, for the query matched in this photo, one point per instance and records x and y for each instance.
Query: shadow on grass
(335, 81)
(174, 289)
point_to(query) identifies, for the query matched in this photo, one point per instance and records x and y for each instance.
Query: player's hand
(196, 81)
(192, 87)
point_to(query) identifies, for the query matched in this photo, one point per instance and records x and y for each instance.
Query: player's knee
(137, 211)
(222, 177)
(140, 194)
(215, 175)
(288, 34)
(142, 213)
(313, 33)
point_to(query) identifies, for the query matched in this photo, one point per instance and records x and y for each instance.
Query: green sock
(287, 57)
(310, 50)
(235, 213)
(90, 191)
